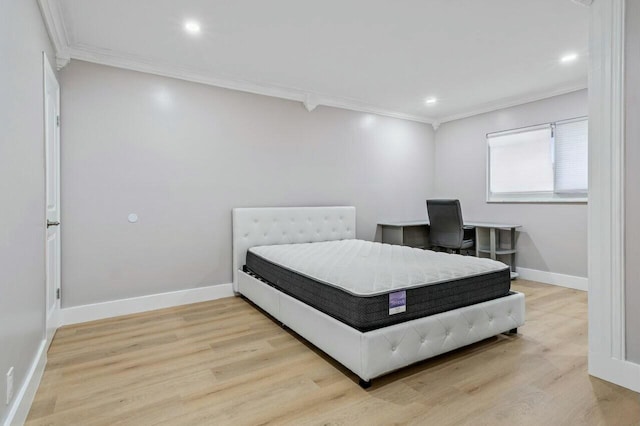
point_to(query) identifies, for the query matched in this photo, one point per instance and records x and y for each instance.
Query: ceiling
(379, 56)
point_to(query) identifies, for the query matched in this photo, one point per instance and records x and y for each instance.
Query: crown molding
(515, 101)
(67, 49)
(62, 61)
(308, 99)
(57, 30)
(310, 103)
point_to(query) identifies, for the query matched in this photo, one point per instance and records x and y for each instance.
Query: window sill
(541, 200)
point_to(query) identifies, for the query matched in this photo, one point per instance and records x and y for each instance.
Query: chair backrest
(446, 225)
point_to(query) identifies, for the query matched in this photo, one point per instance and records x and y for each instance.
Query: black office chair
(446, 228)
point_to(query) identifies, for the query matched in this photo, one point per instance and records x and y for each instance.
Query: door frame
(51, 323)
(607, 301)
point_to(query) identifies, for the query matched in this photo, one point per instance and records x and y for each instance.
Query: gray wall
(22, 234)
(554, 236)
(632, 196)
(182, 155)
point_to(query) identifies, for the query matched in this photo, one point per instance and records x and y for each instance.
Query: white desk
(415, 233)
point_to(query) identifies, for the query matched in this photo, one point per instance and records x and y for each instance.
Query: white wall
(632, 196)
(22, 216)
(182, 155)
(554, 236)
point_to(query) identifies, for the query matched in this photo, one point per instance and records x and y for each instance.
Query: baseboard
(19, 409)
(134, 305)
(562, 280)
(622, 373)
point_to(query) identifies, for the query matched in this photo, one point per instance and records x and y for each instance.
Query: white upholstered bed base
(286, 225)
(369, 354)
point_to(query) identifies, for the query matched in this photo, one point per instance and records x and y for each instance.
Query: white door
(52, 173)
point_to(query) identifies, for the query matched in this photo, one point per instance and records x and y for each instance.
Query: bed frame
(368, 354)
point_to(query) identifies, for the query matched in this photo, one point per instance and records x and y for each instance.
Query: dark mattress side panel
(367, 313)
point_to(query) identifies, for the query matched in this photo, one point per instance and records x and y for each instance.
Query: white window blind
(545, 163)
(571, 156)
(521, 162)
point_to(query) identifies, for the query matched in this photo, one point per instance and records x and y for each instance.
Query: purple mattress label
(397, 302)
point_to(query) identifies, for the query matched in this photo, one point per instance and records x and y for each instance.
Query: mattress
(369, 285)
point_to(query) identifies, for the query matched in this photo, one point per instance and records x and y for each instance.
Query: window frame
(533, 197)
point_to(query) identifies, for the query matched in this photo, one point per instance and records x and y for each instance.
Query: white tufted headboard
(286, 225)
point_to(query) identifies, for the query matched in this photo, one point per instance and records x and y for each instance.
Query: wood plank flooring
(225, 362)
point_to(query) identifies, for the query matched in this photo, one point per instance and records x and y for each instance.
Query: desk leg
(513, 246)
(492, 243)
(477, 241)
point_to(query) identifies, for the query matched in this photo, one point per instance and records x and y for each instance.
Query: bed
(373, 307)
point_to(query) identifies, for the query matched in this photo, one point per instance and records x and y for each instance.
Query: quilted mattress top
(366, 268)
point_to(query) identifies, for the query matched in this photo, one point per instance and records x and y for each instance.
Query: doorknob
(50, 223)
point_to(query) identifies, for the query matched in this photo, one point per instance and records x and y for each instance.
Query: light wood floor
(225, 362)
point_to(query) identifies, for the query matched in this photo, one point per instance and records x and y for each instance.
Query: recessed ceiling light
(431, 101)
(192, 27)
(569, 57)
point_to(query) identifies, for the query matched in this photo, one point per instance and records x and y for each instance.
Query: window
(544, 163)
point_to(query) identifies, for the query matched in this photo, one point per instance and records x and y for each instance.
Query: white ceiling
(373, 55)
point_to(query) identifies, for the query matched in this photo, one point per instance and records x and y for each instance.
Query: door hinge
(58, 120)
(58, 294)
